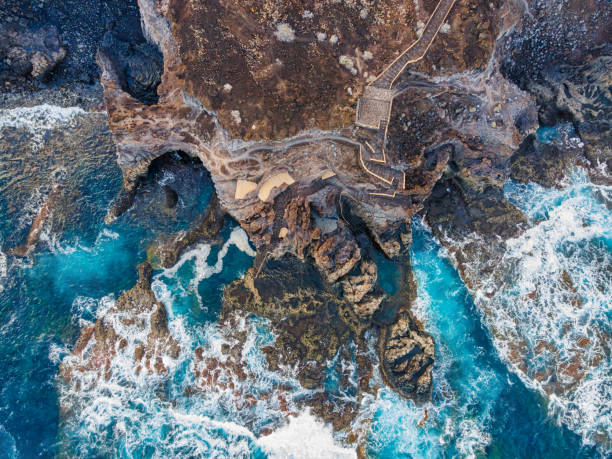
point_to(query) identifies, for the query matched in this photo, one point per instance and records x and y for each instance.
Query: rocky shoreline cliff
(265, 97)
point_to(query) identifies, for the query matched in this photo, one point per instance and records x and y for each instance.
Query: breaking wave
(304, 437)
(216, 399)
(36, 120)
(466, 384)
(559, 304)
(3, 270)
(546, 302)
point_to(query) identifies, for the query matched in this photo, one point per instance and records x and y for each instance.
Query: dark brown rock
(206, 229)
(31, 54)
(171, 197)
(408, 358)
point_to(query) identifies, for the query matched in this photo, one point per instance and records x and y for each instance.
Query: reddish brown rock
(336, 255)
(136, 313)
(37, 225)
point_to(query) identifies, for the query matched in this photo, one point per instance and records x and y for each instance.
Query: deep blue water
(479, 407)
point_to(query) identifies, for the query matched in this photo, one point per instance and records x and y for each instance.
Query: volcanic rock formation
(265, 97)
(323, 212)
(137, 323)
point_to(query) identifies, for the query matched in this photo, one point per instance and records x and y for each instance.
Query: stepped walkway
(374, 107)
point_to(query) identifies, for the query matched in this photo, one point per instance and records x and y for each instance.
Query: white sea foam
(6, 327)
(167, 177)
(39, 119)
(304, 437)
(107, 234)
(57, 353)
(87, 308)
(55, 244)
(547, 301)
(132, 411)
(465, 386)
(3, 270)
(31, 209)
(128, 408)
(198, 256)
(473, 439)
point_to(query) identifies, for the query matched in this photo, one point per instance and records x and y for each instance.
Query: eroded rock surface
(205, 228)
(327, 214)
(28, 53)
(286, 79)
(135, 327)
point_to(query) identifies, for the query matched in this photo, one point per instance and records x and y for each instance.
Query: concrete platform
(374, 108)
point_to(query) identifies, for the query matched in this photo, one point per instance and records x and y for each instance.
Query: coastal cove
(478, 406)
(305, 230)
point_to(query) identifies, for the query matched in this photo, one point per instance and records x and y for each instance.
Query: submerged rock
(136, 327)
(171, 197)
(37, 225)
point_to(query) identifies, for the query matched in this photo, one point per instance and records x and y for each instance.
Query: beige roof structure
(243, 188)
(328, 174)
(274, 182)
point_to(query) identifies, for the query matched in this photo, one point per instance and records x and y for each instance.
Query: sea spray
(558, 302)
(465, 383)
(214, 400)
(478, 407)
(39, 119)
(3, 269)
(194, 262)
(544, 299)
(304, 437)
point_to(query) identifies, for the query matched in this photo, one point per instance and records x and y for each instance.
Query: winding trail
(373, 114)
(374, 107)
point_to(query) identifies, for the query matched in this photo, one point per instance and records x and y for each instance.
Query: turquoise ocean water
(480, 408)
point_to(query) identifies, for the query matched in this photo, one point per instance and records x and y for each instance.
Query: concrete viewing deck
(374, 108)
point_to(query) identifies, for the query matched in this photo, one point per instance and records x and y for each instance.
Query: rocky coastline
(261, 93)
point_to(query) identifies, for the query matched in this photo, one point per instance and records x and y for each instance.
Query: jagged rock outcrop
(310, 196)
(583, 92)
(136, 326)
(357, 287)
(205, 228)
(28, 54)
(562, 57)
(310, 204)
(36, 228)
(409, 356)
